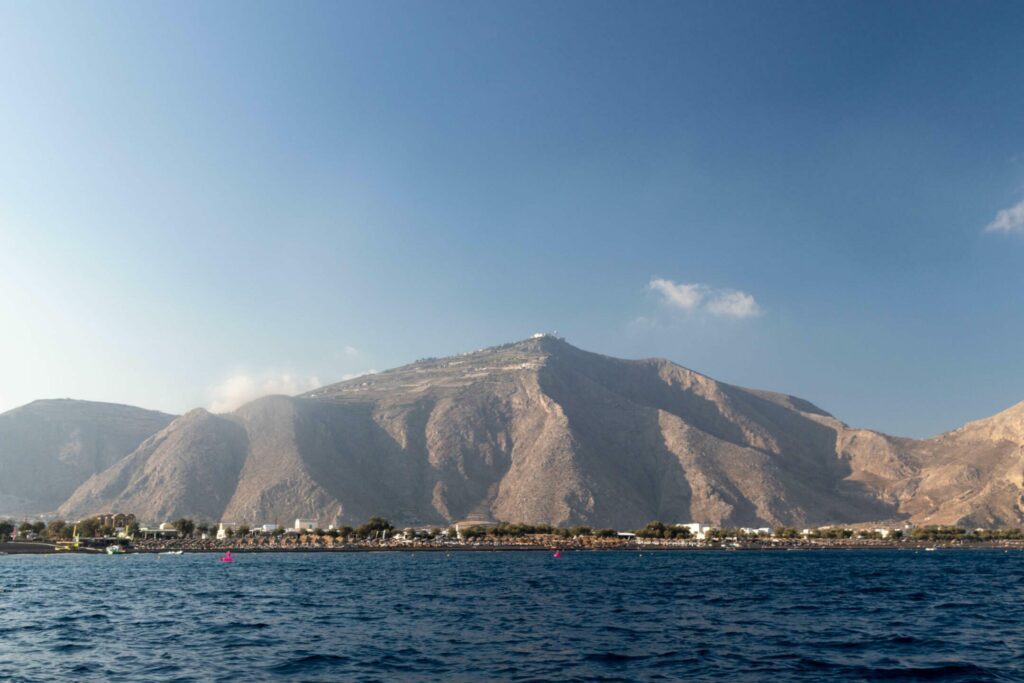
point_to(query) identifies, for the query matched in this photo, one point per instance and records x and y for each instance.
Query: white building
(222, 529)
(697, 531)
(302, 525)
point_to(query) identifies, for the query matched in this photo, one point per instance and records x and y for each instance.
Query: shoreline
(29, 548)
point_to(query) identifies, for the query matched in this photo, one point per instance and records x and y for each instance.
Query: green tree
(185, 526)
(243, 530)
(605, 533)
(133, 529)
(6, 528)
(375, 526)
(87, 528)
(57, 529)
(39, 527)
(653, 529)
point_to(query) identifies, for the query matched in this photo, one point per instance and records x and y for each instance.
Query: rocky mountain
(540, 431)
(973, 475)
(49, 448)
(188, 468)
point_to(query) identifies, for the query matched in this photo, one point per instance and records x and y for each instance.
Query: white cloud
(691, 297)
(686, 297)
(353, 375)
(733, 304)
(350, 351)
(1008, 220)
(242, 388)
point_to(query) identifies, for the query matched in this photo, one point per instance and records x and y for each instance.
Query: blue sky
(201, 202)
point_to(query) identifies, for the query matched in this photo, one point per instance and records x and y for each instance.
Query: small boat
(932, 549)
(115, 550)
(172, 552)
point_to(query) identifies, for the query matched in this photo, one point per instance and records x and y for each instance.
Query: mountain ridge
(51, 446)
(541, 431)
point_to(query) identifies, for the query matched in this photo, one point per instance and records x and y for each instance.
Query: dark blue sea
(473, 616)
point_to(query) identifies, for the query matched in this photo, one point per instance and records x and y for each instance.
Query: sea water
(472, 616)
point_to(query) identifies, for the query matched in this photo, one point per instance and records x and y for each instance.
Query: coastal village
(117, 533)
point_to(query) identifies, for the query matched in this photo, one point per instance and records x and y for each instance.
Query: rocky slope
(973, 475)
(49, 448)
(540, 431)
(187, 468)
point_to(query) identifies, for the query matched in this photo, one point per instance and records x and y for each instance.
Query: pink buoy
(558, 553)
(227, 557)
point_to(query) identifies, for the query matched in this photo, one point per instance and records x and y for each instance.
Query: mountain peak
(451, 372)
(535, 430)
(1007, 425)
(50, 447)
(65, 407)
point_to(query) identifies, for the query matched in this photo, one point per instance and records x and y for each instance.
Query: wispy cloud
(692, 297)
(353, 375)
(1008, 220)
(242, 388)
(733, 304)
(685, 296)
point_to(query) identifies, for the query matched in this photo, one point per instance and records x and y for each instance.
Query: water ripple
(797, 616)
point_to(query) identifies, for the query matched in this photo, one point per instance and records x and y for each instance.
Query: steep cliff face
(48, 448)
(188, 468)
(540, 431)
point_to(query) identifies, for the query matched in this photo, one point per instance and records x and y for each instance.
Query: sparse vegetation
(658, 529)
